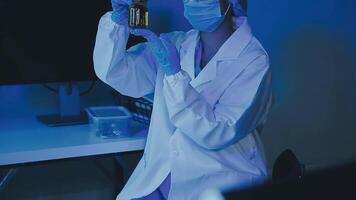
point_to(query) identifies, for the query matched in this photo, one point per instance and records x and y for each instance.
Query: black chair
(287, 168)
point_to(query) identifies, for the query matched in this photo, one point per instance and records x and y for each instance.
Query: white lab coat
(203, 129)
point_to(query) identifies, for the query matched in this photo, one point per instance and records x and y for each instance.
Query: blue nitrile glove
(163, 49)
(120, 11)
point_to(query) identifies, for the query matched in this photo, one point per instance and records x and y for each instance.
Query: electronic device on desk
(141, 108)
(52, 42)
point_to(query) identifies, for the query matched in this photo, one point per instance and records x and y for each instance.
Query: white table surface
(25, 140)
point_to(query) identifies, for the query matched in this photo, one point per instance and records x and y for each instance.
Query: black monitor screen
(48, 40)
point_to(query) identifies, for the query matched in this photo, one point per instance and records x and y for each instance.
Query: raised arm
(240, 110)
(132, 72)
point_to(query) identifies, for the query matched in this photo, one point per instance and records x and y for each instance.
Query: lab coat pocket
(252, 156)
(247, 148)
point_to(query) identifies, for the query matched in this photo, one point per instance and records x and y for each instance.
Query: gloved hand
(163, 49)
(120, 11)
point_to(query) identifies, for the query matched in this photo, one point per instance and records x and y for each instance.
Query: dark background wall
(312, 46)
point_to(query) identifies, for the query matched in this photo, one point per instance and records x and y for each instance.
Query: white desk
(27, 140)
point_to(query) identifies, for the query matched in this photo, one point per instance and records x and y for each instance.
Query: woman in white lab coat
(212, 90)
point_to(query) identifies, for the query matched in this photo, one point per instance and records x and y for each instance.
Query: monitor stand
(69, 108)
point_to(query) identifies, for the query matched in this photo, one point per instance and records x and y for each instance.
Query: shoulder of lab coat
(242, 105)
(109, 37)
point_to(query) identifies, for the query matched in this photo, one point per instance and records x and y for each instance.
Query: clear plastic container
(109, 121)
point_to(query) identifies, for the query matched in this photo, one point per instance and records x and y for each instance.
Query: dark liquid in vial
(138, 16)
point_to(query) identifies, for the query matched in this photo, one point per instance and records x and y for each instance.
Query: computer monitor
(48, 41)
(44, 41)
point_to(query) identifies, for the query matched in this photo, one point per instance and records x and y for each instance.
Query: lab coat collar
(230, 50)
(237, 42)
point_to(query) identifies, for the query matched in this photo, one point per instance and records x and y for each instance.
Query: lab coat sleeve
(242, 107)
(132, 72)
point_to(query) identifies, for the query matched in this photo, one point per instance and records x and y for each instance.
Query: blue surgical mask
(204, 15)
